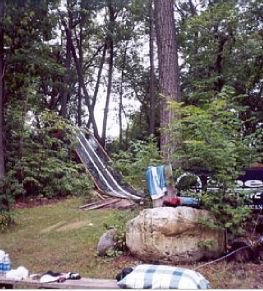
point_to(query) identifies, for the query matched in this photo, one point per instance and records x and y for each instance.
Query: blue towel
(155, 178)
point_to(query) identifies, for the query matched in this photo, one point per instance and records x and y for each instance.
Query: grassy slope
(60, 237)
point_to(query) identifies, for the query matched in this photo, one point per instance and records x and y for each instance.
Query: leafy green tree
(221, 44)
(37, 162)
(212, 140)
(132, 163)
(2, 72)
(48, 165)
(212, 144)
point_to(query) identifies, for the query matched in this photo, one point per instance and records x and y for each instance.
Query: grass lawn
(60, 237)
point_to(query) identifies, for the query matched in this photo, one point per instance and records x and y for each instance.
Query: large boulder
(173, 234)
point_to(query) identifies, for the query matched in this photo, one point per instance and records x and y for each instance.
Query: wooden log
(89, 204)
(102, 204)
(100, 196)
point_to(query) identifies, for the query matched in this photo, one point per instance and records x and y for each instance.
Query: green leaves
(229, 211)
(43, 164)
(134, 162)
(211, 139)
(212, 143)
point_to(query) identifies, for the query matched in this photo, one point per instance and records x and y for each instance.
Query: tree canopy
(94, 64)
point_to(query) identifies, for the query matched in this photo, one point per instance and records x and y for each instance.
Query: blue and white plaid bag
(163, 277)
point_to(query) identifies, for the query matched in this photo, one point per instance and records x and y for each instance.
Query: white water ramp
(96, 161)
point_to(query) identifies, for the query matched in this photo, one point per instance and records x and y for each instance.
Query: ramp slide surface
(96, 162)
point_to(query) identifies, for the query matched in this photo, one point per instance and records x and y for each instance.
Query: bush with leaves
(230, 211)
(134, 162)
(44, 164)
(6, 216)
(211, 143)
(119, 226)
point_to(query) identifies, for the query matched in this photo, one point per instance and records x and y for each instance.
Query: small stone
(106, 242)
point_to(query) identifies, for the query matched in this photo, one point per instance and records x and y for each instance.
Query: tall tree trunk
(81, 82)
(110, 71)
(121, 96)
(2, 160)
(168, 69)
(85, 91)
(109, 87)
(79, 120)
(151, 53)
(96, 90)
(81, 79)
(65, 93)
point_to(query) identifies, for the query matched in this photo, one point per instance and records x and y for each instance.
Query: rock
(173, 234)
(106, 242)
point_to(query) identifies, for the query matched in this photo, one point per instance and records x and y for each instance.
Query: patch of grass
(60, 237)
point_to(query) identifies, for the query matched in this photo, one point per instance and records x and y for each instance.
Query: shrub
(229, 210)
(134, 162)
(6, 220)
(46, 164)
(210, 142)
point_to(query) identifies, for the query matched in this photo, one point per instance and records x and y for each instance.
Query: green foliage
(211, 140)
(222, 45)
(6, 216)
(187, 182)
(44, 164)
(120, 247)
(211, 143)
(229, 210)
(134, 162)
(6, 220)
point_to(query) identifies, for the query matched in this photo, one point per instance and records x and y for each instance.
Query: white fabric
(20, 273)
(48, 278)
(2, 254)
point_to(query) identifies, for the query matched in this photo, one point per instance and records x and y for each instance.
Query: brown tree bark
(85, 91)
(2, 160)
(81, 80)
(121, 96)
(109, 87)
(110, 47)
(152, 77)
(96, 90)
(168, 69)
(64, 98)
(65, 94)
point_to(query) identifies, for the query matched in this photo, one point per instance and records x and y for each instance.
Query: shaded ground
(60, 237)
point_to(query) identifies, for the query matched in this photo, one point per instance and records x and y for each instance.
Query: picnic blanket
(163, 277)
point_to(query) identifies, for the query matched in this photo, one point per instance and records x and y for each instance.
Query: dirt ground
(234, 275)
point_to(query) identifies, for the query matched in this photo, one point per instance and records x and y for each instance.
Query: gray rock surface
(106, 242)
(173, 234)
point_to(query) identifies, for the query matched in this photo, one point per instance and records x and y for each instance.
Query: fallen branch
(101, 204)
